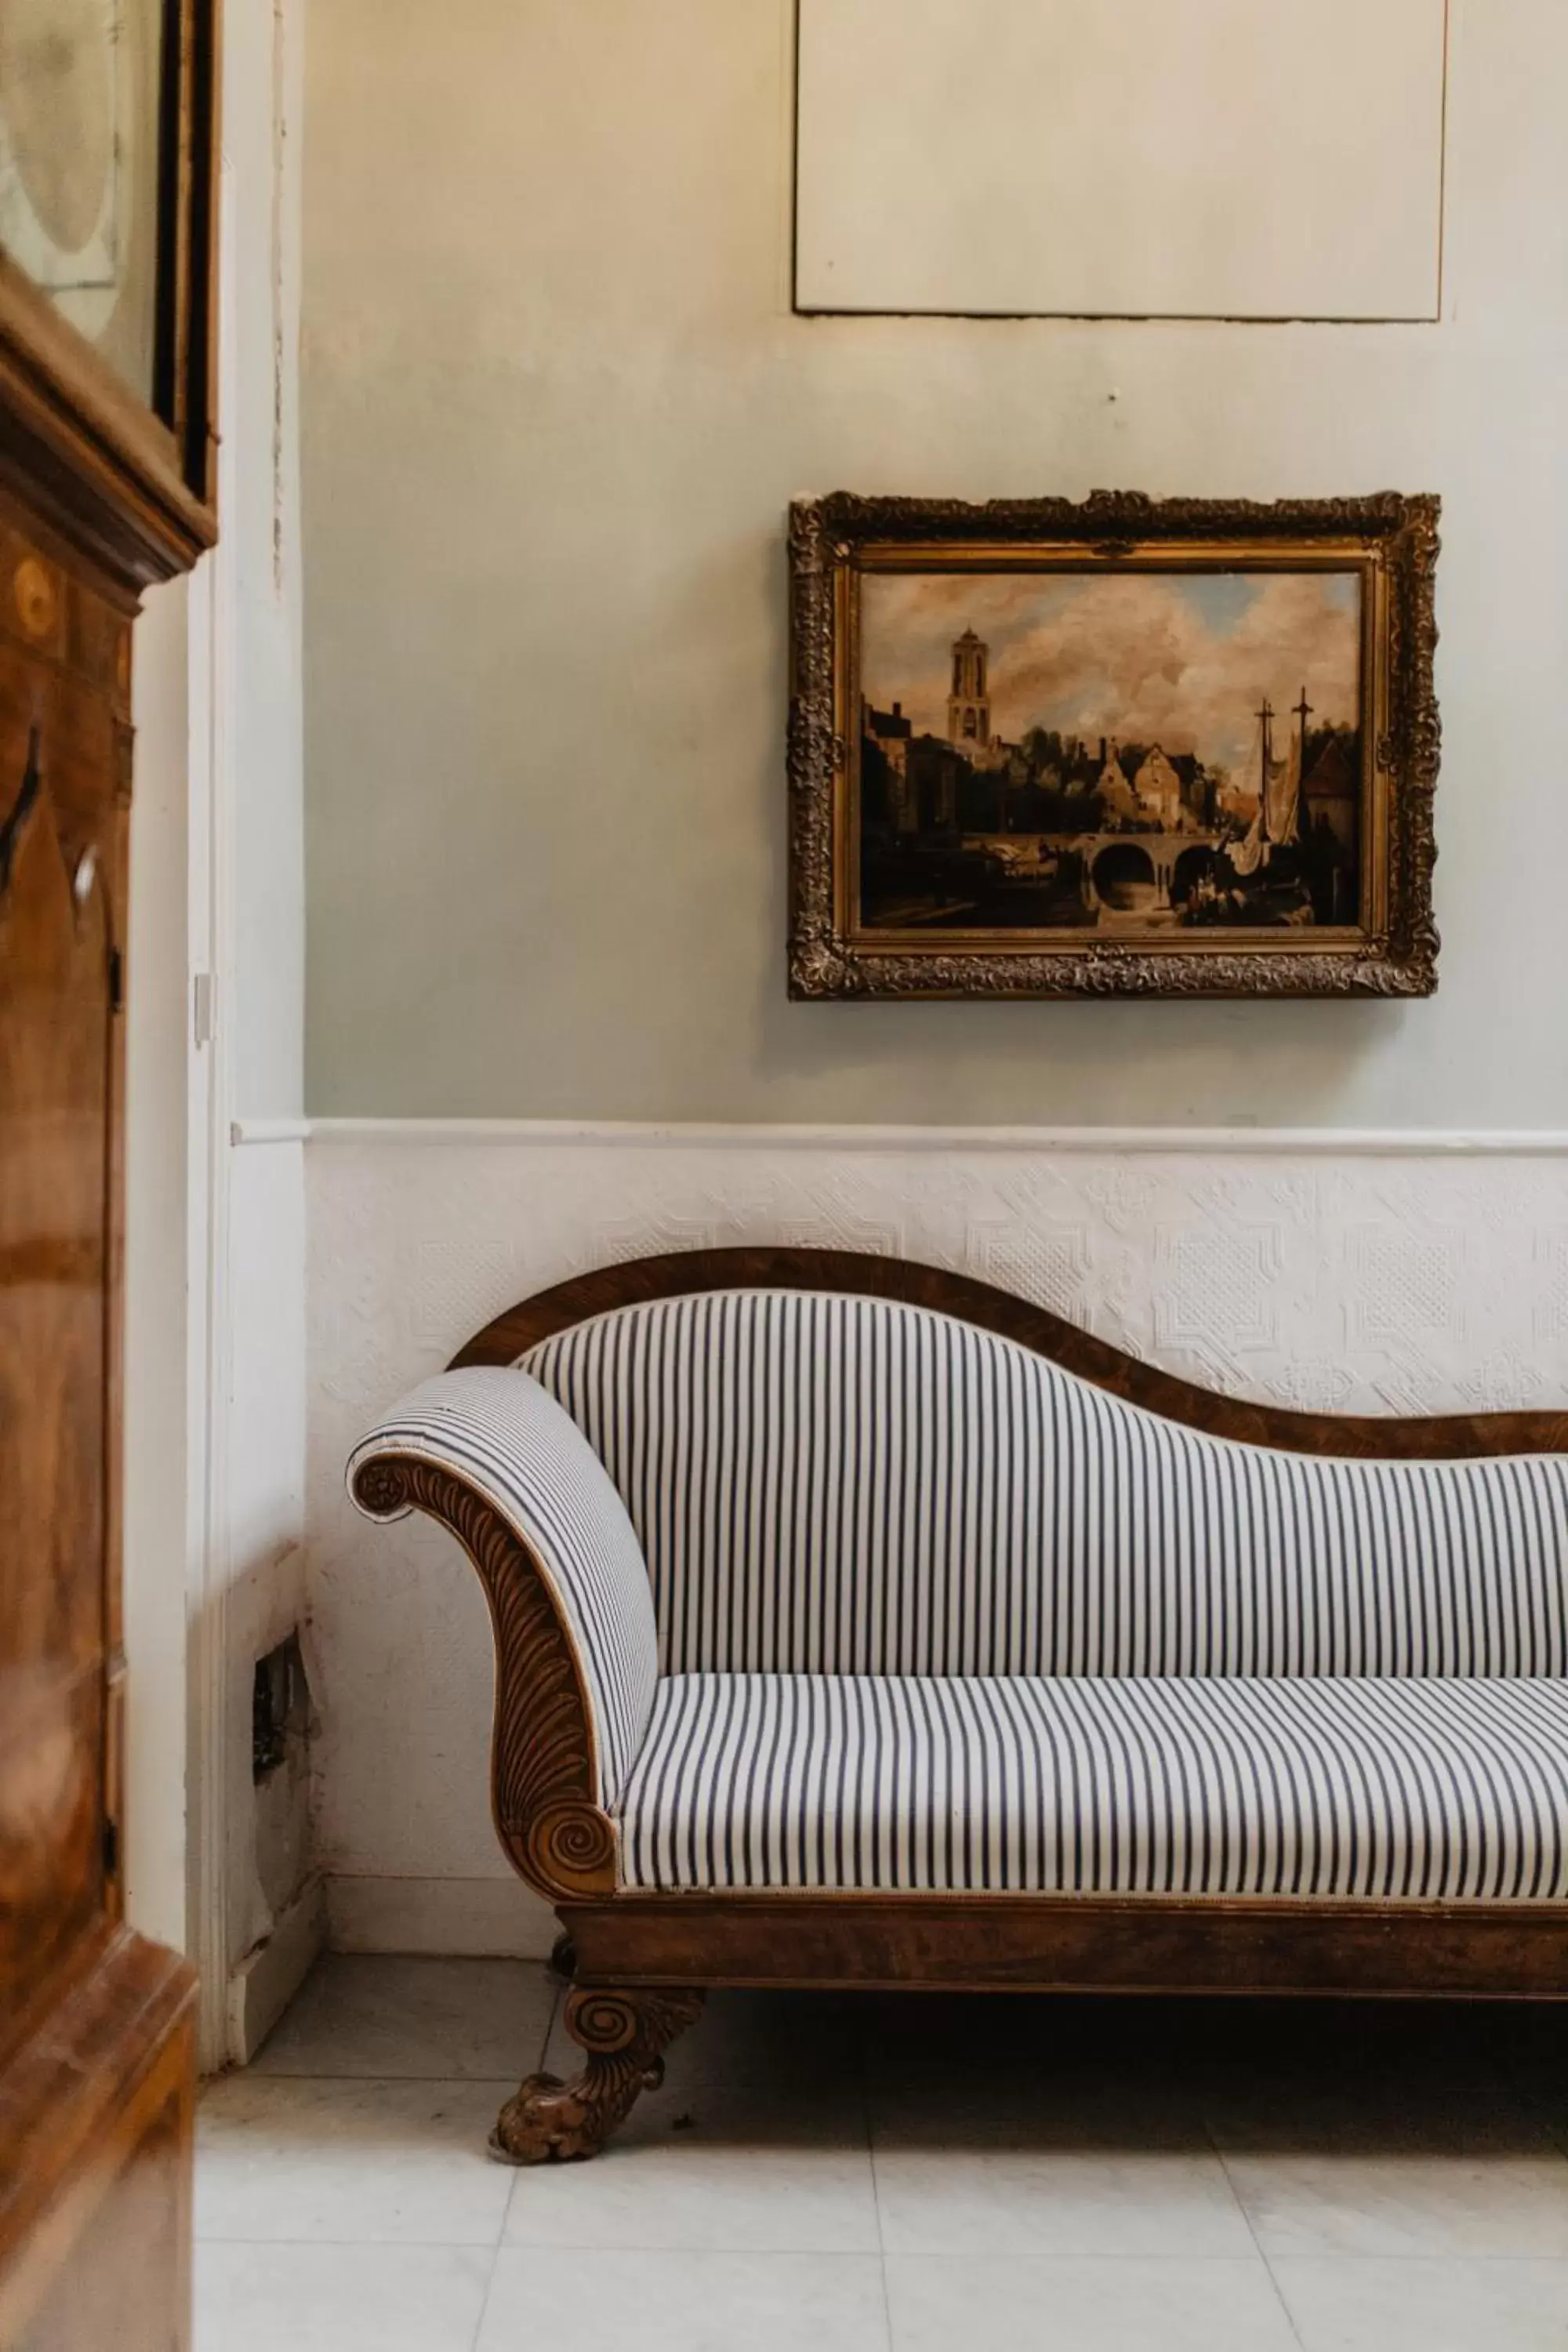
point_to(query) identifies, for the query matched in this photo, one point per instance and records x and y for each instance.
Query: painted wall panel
(1257, 159)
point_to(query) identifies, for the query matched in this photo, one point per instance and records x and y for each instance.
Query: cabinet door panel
(60, 828)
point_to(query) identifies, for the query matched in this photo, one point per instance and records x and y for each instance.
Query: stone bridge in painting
(1119, 868)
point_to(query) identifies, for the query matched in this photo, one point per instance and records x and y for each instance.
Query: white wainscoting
(1342, 1272)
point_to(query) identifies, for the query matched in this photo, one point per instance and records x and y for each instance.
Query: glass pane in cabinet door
(80, 140)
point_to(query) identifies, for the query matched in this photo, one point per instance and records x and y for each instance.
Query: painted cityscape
(1110, 751)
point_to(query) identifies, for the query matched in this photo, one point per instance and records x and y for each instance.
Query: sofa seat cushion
(1388, 1789)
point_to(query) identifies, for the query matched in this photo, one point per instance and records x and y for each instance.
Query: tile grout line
(1274, 2287)
(478, 2336)
(865, 2073)
(887, 2298)
(372, 2245)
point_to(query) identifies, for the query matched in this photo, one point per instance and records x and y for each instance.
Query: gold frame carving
(1391, 540)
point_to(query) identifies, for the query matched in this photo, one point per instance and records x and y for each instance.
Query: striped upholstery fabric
(509, 1442)
(1225, 1787)
(849, 1486)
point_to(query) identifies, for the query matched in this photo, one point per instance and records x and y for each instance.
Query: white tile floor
(884, 2176)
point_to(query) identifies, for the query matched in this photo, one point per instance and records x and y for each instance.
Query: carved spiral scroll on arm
(541, 1754)
(509, 1474)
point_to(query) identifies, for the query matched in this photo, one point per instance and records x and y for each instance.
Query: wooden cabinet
(94, 2025)
(101, 492)
(65, 659)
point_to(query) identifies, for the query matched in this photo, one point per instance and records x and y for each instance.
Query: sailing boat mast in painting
(1297, 868)
(1066, 755)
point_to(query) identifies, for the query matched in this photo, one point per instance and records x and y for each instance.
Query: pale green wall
(554, 405)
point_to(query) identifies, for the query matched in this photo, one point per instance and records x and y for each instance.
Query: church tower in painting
(968, 704)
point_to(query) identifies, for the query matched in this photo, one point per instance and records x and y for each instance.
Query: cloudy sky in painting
(1179, 659)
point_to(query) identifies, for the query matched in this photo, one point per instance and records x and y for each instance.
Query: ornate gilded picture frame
(1128, 747)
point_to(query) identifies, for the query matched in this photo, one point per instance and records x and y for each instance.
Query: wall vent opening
(280, 1708)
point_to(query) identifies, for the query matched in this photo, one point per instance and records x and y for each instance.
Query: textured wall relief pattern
(1400, 1283)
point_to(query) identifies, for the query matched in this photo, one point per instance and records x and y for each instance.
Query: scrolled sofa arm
(497, 1461)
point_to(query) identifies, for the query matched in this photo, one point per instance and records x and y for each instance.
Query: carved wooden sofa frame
(641, 1962)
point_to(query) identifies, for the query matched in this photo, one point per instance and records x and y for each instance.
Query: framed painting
(1128, 747)
(108, 159)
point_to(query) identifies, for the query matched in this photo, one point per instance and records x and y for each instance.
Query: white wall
(256, 1863)
(1340, 1275)
(215, 1279)
(556, 402)
(264, 64)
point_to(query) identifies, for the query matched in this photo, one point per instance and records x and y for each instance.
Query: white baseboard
(265, 1982)
(455, 1918)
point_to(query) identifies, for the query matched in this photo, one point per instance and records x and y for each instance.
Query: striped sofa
(858, 1624)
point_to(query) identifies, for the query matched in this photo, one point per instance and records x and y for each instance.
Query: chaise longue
(859, 1624)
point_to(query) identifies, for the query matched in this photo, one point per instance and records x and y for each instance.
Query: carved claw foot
(625, 2036)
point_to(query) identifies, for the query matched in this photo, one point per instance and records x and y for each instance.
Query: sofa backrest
(849, 1485)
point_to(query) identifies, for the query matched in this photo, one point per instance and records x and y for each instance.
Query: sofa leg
(625, 2033)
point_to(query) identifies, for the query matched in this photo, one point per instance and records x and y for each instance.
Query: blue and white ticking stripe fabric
(1239, 1786)
(932, 1613)
(849, 1485)
(499, 1432)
